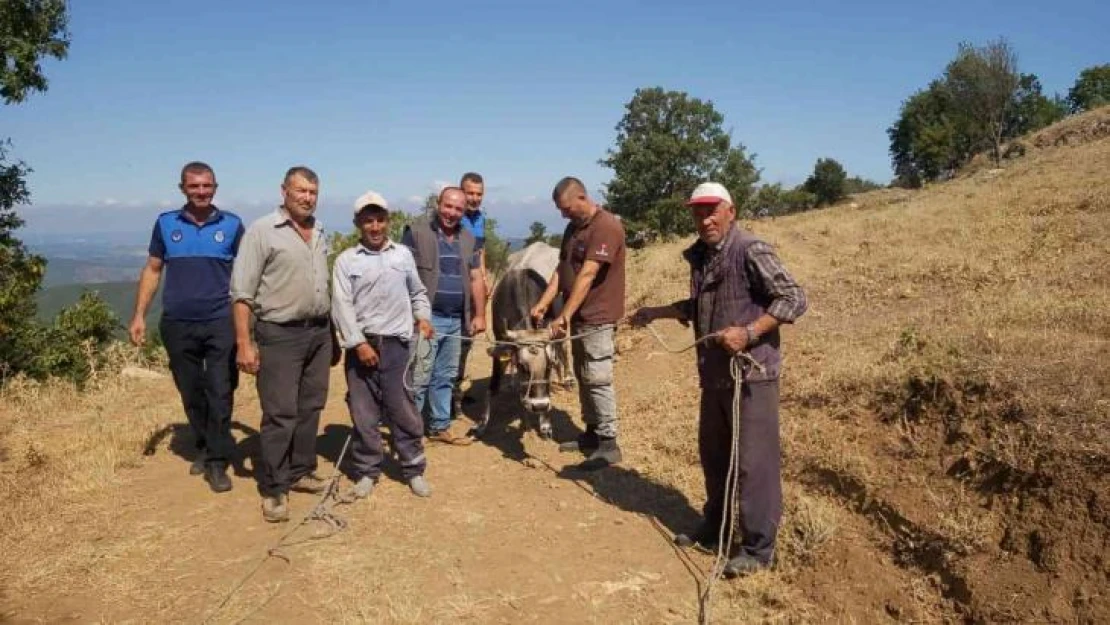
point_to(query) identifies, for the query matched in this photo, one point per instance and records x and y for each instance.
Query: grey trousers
(593, 368)
(374, 392)
(759, 463)
(292, 388)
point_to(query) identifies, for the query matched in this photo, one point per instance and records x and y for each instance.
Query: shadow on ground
(620, 486)
(182, 444)
(329, 444)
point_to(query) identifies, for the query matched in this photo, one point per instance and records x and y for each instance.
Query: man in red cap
(740, 292)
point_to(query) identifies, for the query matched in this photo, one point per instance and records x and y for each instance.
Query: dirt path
(511, 534)
(502, 539)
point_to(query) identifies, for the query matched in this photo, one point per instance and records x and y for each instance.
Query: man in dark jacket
(450, 268)
(739, 293)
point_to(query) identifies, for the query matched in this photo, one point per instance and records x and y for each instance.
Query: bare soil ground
(946, 456)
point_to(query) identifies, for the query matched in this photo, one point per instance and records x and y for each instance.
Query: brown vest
(425, 251)
(724, 294)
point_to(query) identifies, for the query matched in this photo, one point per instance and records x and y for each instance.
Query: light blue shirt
(377, 293)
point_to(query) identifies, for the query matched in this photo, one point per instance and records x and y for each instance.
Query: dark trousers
(760, 482)
(374, 392)
(202, 359)
(292, 388)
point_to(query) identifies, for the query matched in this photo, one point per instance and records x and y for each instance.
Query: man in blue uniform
(474, 221)
(196, 246)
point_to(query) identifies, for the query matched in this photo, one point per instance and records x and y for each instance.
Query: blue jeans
(435, 373)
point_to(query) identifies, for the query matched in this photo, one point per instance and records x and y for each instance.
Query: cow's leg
(566, 376)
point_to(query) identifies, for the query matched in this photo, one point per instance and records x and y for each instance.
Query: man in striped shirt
(451, 271)
(740, 293)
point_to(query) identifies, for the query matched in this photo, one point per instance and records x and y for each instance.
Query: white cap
(709, 193)
(370, 198)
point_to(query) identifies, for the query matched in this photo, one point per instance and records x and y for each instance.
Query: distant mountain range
(111, 269)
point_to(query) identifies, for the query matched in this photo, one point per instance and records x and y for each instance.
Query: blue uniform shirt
(476, 223)
(197, 261)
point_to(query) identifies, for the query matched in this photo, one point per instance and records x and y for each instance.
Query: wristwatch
(752, 335)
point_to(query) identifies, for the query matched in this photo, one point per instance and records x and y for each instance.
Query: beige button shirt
(282, 277)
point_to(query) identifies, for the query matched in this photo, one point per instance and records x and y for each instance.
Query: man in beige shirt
(281, 279)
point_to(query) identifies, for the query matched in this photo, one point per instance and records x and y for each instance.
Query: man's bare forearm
(550, 292)
(241, 311)
(580, 289)
(478, 293)
(149, 278)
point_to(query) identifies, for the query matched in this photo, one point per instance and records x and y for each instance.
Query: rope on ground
(322, 511)
(732, 480)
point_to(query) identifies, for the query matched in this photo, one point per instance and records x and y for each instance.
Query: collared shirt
(280, 275)
(377, 292)
(198, 260)
(788, 301)
(475, 222)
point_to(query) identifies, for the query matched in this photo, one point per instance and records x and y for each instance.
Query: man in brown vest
(740, 292)
(450, 269)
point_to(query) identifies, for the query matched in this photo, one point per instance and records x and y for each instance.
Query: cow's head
(534, 358)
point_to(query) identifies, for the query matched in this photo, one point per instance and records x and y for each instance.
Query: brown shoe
(275, 509)
(310, 483)
(447, 438)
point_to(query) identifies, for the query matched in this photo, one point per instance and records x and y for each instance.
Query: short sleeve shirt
(198, 259)
(476, 223)
(600, 239)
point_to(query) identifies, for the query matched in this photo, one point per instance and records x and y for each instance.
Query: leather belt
(311, 322)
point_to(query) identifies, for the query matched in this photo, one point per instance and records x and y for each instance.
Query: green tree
(925, 143)
(856, 184)
(772, 200)
(1091, 89)
(29, 31)
(497, 250)
(983, 83)
(827, 182)
(537, 232)
(1032, 110)
(667, 143)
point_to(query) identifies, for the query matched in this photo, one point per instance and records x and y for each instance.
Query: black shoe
(216, 476)
(606, 454)
(197, 467)
(744, 565)
(587, 442)
(705, 538)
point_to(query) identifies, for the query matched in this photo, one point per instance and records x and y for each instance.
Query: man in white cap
(377, 301)
(740, 292)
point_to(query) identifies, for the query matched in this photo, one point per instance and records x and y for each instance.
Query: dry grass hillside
(945, 410)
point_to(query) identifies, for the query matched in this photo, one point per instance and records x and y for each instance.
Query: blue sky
(403, 96)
